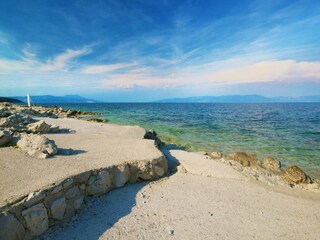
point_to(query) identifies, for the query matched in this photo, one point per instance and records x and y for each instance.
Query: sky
(145, 50)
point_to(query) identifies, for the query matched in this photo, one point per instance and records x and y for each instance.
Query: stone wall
(32, 215)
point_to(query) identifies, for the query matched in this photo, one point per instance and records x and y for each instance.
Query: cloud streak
(62, 61)
(100, 69)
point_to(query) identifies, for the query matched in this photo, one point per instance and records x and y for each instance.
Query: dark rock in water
(151, 134)
(245, 159)
(272, 164)
(296, 175)
(72, 113)
(96, 120)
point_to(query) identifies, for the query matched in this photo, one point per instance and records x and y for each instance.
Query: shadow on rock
(99, 215)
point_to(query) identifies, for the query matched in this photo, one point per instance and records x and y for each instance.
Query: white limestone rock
(99, 184)
(58, 208)
(39, 127)
(121, 175)
(37, 145)
(33, 198)
(36, 218)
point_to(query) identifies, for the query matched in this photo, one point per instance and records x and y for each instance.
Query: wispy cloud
(100, 69)
(271, 71)
(61, 62)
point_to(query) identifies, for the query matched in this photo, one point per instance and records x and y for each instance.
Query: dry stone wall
(32, 215)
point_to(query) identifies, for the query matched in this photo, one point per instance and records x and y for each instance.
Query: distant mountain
(10, 100)
(240, 99)
(55, 99)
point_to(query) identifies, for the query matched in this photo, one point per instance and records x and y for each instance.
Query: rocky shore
(52, 164)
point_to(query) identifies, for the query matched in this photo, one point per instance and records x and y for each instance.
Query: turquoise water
(288, 131)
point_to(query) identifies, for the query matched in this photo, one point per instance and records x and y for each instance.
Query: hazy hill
(11, 100)
(56, 99)
(240, 99)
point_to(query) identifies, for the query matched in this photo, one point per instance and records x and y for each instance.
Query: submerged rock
(37, 145)
(296, 175)
(272, 164)
(245, 159)
(98, 120)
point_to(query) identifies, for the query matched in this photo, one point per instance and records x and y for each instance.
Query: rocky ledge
(270, 171)
(32, 215)
(108, 158)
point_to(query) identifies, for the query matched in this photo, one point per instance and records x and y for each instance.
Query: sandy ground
(210, 200)
(201, 204)
(92, 147)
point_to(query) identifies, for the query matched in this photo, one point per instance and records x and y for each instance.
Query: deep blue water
(288, 131)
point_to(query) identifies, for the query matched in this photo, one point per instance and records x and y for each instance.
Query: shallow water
(288, 131)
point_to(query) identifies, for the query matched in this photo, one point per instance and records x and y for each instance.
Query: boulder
(159, 171)
(121, 175)
(11, 228)
(78, 202)
(16, 121)
(37, 145)
(72, 113)
(272, 164)
(215, 155)
(296, 175)
(82, 177)
(36, 219)
(5, 137)
(151, 134)
(58, 208)
(39, 127)
(72, 192)
(99, 184)
(33, 198)
(4, 112)
(245, 159)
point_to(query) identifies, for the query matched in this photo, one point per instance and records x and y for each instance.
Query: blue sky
(147, 50)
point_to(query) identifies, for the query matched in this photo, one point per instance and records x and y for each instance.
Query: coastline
(189, 173)
(254, 128)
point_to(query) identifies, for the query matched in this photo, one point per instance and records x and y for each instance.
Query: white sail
(28, 100)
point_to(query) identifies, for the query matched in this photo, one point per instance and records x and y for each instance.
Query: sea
(287, 131)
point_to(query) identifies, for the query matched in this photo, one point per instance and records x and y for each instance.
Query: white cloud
(267, 71)
(61, 61)
(98, 69)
